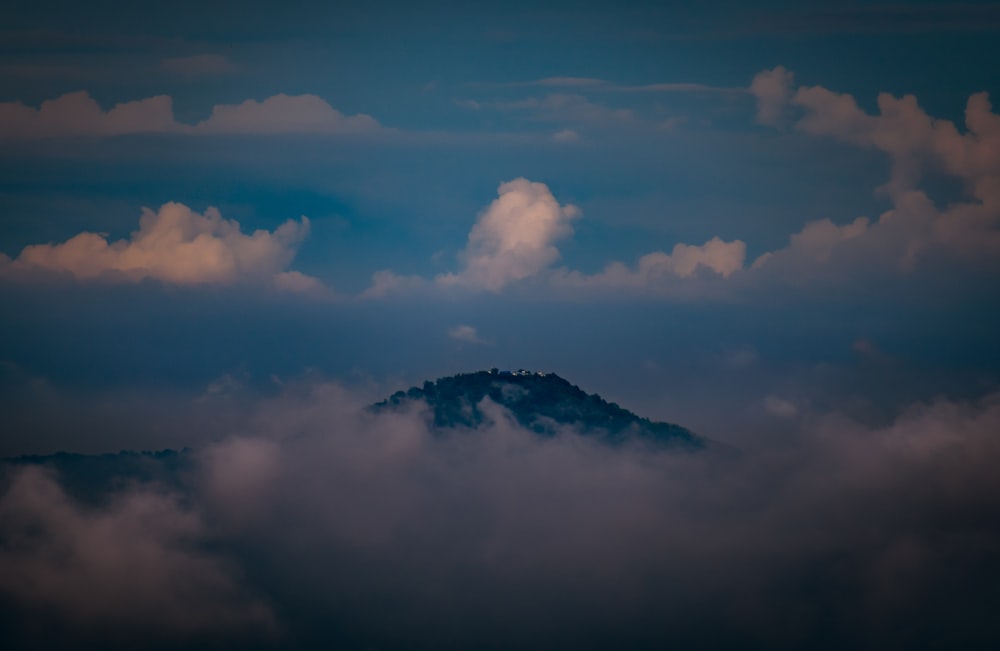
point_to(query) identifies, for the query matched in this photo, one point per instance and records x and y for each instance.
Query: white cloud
(502, 251)
(913, 140)
(466, 334)
(772, 88)
(79, 115)
(658, 268)
(514, 238)
(815, 242)
(385, 282)
(566, 136)
(917, 145)
(297, 282)
(284, 114)
(179, 246)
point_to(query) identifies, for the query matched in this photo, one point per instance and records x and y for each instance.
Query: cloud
(891, 245)
(199, 65)
(297, 282)
(386, 282)
(558, 107)
(914, 141)
(566, 81)
(331, 512)
(179, 246)
(918, 146)
(79, 115)
(676, 87)
(603, 85)
(566, 136)
(284, 114)
(514, 237)
(466, 334)
(772, 88)
(780, 407)
(815, 243)
(658, 268)
(134, 565)
(514, 240)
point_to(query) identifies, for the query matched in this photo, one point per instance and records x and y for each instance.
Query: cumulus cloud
(386, 282)
(407, 537)
(180, 246)
(890, 244)
(284, 114)
(913, 140)
(658, 268)
(772, 88)
(917, 146)
(514, 238)
(78, 114)
(815, 242)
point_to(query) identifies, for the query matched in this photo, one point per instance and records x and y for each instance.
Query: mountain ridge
(542, 402)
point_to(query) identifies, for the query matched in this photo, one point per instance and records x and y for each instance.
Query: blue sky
(635, 196)
(230, 227)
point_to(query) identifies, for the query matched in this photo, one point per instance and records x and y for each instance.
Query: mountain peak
(540, 401)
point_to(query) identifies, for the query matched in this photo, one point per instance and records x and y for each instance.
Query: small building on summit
(518, 373)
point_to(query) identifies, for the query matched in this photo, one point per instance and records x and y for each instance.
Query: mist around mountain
(91, 477)
(543, 403)
(539, 401)
(495, 511)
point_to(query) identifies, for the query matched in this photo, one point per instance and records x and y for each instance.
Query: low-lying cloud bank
(179, 246)
(314, 523)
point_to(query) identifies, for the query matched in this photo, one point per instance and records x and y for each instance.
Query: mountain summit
(541, 402)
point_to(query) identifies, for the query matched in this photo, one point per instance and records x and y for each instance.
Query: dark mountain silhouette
(541, 402)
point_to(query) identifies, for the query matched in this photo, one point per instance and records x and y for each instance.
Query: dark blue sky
(684, 236)
(228, 228)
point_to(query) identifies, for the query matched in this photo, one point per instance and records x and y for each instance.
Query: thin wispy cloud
(585, 84)
(79, 115)
(199, 65)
